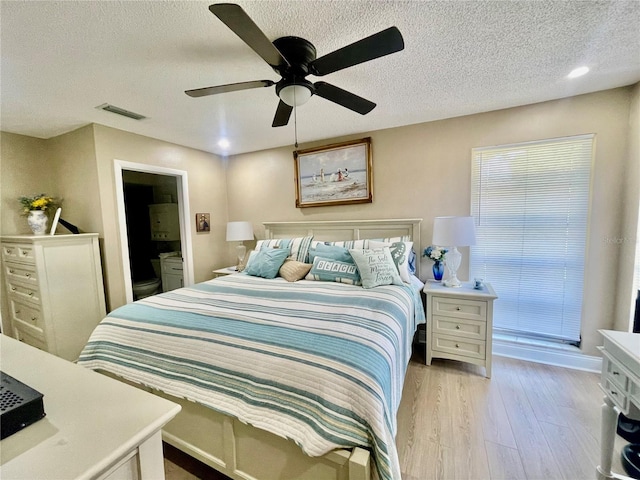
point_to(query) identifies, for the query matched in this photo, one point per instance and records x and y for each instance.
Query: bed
(277, 379)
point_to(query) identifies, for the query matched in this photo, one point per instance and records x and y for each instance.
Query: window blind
(531, 202)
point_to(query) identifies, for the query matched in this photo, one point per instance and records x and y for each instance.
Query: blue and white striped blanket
(320, 363)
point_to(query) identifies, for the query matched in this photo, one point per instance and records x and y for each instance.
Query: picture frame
(338, 174)
(203, 222)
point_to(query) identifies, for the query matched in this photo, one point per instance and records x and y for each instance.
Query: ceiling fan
(293, 58)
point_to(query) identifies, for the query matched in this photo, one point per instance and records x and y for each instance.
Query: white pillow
(299, 246)
(376, 267)
(400, 252)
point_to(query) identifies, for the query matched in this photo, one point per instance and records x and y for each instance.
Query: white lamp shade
(454, 231)
(295, 95)
(239, 231)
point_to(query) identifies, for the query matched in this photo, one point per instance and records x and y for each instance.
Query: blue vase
(438, 270)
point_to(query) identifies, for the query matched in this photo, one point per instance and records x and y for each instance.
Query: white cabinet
(460, 323)
(172, 275)
(165, 223)
(95, 428)
(55, 290)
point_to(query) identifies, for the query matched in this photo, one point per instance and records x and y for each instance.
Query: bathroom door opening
(137, 187)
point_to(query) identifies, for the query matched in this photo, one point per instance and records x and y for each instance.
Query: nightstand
(221, 272)
(460, 323)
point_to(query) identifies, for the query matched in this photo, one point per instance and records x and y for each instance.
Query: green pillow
(329, 270)
(266, 262)
(376, 267)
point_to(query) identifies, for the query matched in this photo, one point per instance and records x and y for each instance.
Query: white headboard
(334, 230)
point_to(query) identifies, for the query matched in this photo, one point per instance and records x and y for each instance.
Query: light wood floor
(529, 421)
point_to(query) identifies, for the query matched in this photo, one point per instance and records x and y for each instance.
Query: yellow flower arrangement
(39, 201)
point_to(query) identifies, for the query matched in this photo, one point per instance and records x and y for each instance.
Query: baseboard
(550, 355)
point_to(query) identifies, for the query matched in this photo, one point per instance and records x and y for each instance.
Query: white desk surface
(91, 420)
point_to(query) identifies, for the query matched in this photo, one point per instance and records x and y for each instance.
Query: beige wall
(626, 240)
(207, 193)
(420, 171)
(79, 167)
(424, 171)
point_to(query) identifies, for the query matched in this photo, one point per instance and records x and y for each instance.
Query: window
(530, 202)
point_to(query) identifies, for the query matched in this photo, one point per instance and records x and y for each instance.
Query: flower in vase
(38, 201)
(436, 254)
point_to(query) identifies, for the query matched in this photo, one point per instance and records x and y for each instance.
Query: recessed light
(224, 143)
(578, 72)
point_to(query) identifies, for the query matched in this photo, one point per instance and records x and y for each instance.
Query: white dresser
(55, 291)
(620, 382)
(95, 427)
(460, 323)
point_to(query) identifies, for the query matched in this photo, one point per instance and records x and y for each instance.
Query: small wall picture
(203, 222)
(337, 174)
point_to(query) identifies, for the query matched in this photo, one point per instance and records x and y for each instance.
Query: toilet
(150, 286)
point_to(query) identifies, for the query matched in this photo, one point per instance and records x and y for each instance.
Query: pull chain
(295, 119)
(295, 124)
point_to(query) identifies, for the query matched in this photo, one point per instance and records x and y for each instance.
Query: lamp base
(452, 260)
(241, 251)
(452, 282)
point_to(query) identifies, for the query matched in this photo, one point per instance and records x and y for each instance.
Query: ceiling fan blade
(342, 97)
(231, 87)
(283, 113)
(375, 46)
(234, 17)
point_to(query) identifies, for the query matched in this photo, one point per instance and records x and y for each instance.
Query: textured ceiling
(60, 59)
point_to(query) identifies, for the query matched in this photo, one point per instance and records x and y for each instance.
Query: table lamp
(453, 232)
(239, 231)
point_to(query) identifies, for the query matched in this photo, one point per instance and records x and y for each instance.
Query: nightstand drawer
(459, 308)
(19, 253)
(460, 327)
(456, 346)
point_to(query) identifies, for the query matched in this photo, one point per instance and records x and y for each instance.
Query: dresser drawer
(613, 373)
(20, 292)
(23, 335)
(28, 315)
(458, 308)
(17, 252)
(460, 347)
(460, 327)
(616, 394)
(25, 274)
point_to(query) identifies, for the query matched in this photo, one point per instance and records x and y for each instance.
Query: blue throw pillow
(266, 262)
(329, 270)
(340, 254)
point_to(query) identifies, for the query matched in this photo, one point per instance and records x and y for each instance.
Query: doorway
(137, 186)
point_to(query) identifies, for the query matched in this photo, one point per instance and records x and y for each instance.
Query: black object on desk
(20, 405)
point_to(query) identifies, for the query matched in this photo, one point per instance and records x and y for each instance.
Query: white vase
(37, 220)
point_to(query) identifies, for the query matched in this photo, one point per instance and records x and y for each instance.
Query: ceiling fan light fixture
(295, 95)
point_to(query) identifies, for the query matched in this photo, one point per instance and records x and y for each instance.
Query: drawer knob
(31, 294)
(13, 289)
(11, 270)
(33, 319)
(457, 327)
(457, 346)
(615, 373)
(458, 309)
(28, 275)
(613, 393)
(17, 312)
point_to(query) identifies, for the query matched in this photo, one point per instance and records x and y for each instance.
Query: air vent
(121, 111)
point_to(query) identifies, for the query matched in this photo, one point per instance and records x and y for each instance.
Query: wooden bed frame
(243, 452)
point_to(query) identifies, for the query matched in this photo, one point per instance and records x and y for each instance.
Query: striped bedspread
(320, 363)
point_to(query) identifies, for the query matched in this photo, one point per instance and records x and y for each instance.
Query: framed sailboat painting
(337, 174)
